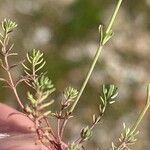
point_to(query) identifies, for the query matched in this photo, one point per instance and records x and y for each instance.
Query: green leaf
(36, 62)
(86, 133)
(109, 93)
(100, 28)
(46, 105)
(70, 93)
(47, 113)
(128, 136)
(8, 25)
(45, 84)
(31, 98)
(28, 109)
(74, 146)
(107, 37)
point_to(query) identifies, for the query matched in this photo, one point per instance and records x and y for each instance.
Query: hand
(16, 130)
(12, 120)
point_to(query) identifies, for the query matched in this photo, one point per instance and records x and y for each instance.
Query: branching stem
(98, 52)
(11, 83)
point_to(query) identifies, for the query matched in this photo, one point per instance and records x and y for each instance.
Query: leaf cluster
(74, 146)
(127, 138)
(41, 84)
(8, 25)
(86, 133)
(69, 94)
(108, 94)
(104, 35)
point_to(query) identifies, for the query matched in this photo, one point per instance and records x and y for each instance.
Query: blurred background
(67, 32)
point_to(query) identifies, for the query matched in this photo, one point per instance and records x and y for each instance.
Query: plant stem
(113, 17)
(87, 77)
(100, 47)
(58, 130)
(139, 119)
(12, 85)
(135, 126)
(63, 127)
(49, 126)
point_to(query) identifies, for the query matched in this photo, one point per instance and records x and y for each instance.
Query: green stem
(87, 77)
(142, 114)
(113, 16)
(100, 47)
(139, 119)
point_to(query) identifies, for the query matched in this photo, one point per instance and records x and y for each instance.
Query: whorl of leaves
(35, 63)
(70, 93)
(8, 25)
(127, 138)
(108, 94)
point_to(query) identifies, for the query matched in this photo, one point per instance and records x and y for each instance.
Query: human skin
(17, 131)
(12, 120)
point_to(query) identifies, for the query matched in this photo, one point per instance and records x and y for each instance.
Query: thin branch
(6, 67)
(63, 126)
(12, 84)
(98, 52)
(58, 130)
(48, 125)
